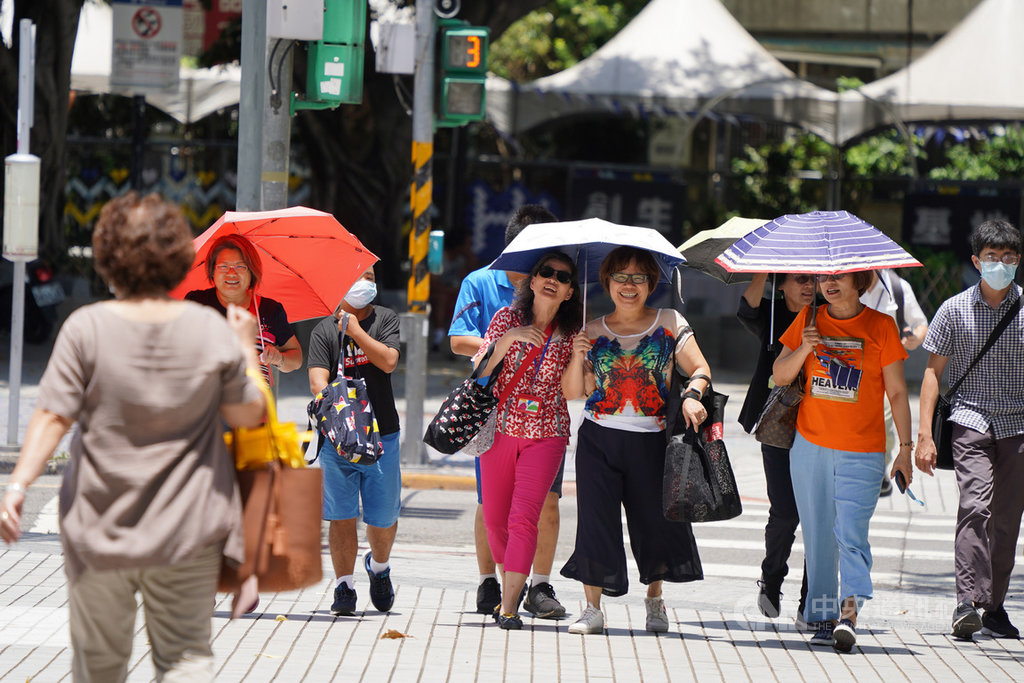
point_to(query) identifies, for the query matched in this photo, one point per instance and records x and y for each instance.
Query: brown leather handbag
(281, 512)
(776, 426)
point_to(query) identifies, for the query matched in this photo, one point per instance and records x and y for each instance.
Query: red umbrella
(309, 260)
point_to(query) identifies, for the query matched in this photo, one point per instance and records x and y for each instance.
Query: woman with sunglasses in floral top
(623, 363)
(851, 357)
(767, 320)
(534, 337)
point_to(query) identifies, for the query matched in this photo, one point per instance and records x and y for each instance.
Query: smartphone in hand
(901, 482)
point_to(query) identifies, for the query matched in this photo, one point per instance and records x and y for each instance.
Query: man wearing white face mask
(370, 350)
(987, 413)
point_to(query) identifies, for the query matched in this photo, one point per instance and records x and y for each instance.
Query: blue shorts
(379, 485)
(556, 487)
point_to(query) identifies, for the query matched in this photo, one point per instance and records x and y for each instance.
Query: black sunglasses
(802, 279)
(563, 276)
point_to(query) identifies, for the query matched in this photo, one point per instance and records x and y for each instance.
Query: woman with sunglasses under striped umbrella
(767, 321)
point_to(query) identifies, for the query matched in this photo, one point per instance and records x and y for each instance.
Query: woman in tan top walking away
(149, 503)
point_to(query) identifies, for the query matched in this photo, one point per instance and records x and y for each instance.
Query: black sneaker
(996, 623)
(510, 622)
(844, 637)
(541, 602)
(344, 601)
(966, 621)
(382, 593)
(823, 632)
(886, 487)
(488, 595)
(768, 598)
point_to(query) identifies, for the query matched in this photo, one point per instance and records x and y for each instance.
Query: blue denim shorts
(379, 485)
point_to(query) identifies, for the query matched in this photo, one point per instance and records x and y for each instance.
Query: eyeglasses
(825, 277)
(1008, 259)
(563, 276)
(636, 278)
(802, 279)
(237, 267)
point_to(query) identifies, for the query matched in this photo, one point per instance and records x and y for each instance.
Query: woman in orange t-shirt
(851, 356)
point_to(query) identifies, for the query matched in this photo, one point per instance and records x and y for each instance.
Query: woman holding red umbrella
(234, 268)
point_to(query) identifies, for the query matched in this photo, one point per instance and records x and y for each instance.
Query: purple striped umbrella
(815, 242)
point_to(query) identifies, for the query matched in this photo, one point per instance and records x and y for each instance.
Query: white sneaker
(657, 617)
(591, 621)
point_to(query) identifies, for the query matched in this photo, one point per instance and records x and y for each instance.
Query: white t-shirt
(881, 299)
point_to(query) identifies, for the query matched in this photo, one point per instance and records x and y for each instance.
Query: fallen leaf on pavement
(391, 634)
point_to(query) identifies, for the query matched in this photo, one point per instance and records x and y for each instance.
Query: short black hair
(995, 234)
(527, 214)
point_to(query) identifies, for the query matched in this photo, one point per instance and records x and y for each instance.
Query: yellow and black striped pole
(419, 236)
(415, 329)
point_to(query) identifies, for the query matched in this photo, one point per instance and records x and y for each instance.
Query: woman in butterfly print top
(622, 363)
(532, 425)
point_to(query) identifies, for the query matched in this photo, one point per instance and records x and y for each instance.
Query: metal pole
(26, 113)
(413, 450)
(138, 140)
(277, 128)
(251, 104)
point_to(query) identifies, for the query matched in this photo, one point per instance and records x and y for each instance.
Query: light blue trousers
(836, 493)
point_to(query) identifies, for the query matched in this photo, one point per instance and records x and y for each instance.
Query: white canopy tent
(200, 91)
(676, 58)
(974, 73)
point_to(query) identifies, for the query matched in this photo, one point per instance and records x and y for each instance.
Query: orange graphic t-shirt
(843, 386)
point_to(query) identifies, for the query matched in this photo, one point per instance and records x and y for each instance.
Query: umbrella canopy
(586, 242)
(309, 260)
(815, 242)
(702, 249)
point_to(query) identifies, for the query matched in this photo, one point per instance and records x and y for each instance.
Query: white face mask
(361, 294)
(997, 275)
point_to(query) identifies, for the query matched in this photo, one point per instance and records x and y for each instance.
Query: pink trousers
(516, 475)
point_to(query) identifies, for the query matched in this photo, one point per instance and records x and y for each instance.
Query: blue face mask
(997, 275)
(361, 294)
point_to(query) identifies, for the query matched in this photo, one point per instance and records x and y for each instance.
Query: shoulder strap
(1003, 324)
(897, 294)
(527, 360)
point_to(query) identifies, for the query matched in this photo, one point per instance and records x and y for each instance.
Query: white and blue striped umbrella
(815, 242)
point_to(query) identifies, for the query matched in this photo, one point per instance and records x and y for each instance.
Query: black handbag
(698, 484)
(342, 413)
(942, 428)
(464, 412)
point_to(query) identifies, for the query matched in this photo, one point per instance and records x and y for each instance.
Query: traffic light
(463, 72)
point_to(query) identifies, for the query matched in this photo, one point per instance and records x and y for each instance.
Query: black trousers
(783, 518)
(618, 470)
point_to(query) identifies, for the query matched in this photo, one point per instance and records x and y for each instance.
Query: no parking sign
(147, 45)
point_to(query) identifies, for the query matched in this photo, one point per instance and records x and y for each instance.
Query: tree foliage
(558, 35)
(773, 176)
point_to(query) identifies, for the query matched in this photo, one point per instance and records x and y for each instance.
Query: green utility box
(334, 73)
(345, 21)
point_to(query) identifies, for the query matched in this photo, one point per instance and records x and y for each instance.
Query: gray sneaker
(541, 602)
(591, 621)
(657, 617)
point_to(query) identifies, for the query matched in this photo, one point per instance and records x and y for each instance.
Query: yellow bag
(255, 448)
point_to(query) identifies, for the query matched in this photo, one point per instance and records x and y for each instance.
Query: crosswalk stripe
(47, 521)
